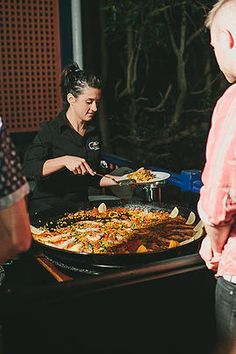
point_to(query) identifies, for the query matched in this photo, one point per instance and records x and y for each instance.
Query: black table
(162, 307)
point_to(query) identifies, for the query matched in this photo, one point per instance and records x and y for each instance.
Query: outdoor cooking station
(164, 304)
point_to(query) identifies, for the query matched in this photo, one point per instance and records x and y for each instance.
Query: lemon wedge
(191, 218)
(141, 249)
(173, 243)
(174, 212)
(102, 207)
(198, 226)
(198, 234)
(75, 248)
(35, 230)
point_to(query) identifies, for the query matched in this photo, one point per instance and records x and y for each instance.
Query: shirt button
(231, 292)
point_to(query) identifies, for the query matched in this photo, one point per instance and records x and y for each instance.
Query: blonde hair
(212, 13)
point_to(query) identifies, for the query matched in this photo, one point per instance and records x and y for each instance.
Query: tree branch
(159, 107)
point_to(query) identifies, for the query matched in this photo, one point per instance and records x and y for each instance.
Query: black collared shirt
(61, 189)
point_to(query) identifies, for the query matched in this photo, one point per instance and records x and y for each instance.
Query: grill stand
(153, 191)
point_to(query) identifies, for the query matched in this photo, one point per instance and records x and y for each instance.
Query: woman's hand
(77, 165)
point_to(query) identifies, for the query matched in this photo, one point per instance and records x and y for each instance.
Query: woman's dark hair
(74, 81)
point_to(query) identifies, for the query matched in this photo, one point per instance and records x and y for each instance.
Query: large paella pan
(117, 233)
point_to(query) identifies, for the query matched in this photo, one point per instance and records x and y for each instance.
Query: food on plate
(115, 230)
(141, 175)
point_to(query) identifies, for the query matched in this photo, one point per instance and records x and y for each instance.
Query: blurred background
(161, 80)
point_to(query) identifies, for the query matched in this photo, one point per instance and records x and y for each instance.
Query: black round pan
(111, 260)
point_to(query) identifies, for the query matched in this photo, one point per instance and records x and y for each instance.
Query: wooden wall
(30, 63)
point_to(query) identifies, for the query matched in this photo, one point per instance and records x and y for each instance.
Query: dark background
(138, 120)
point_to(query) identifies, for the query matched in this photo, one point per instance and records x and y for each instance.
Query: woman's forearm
(53, 165)
(74, 164)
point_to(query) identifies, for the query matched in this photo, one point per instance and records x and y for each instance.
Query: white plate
(159, 177)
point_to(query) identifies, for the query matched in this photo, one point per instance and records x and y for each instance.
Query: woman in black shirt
(61, 161)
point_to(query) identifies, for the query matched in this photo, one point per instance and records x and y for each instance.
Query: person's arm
(38, 162)
(15, 235)
(108, 182)
(36, 154)
(75, 164)
(215, 239)
(213, 244)
(215, 206)
(14, 230)
(218, 236)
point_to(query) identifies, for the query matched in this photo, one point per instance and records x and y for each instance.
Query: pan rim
(127, 204)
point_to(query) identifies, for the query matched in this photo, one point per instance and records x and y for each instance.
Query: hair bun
(73, 68)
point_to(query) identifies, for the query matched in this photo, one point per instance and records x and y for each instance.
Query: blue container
(190, 180)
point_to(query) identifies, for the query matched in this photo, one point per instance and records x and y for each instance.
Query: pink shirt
(217, 203)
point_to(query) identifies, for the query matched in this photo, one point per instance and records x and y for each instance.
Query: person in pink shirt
(217, 202)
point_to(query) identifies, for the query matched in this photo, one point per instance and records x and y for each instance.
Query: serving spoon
(124, 182)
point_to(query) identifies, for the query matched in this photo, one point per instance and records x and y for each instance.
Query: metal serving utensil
(124, 182)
